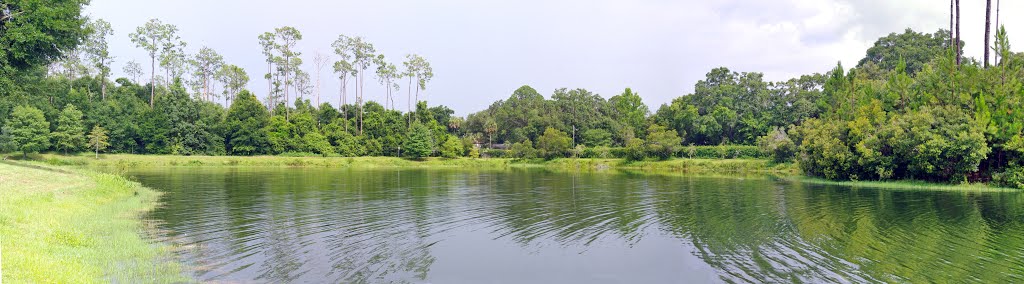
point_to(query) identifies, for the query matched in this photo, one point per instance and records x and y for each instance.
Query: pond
(534, 226)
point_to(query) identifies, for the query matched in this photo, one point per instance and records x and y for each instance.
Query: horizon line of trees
(912, 108)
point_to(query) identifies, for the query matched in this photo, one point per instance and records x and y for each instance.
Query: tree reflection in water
(368, 226)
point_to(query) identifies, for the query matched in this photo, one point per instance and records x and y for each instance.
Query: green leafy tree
(245, 123)
(234, 79)
(69, 135)
(419, 143)
(288, 61)
(344, 142)
(98, 140)
(778, 145)
(269, 46)
(452, 147)
(26, 131)
(30, 36)
(206, 64)
(386, 74)
(522, 150)
(30, 39)
(156, 38)
(133, 70)
(317, 143)
(189, 130)
(823, 154)
(98, 51)
(597, 137)
(554, 143)
(279, 135)
(662, 142)
(635, 150)
(917, 49)
(490, 128)
(417, 67)
(630, 110)
(362, 54)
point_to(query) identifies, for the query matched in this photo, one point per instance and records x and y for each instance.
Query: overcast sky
(483, 50)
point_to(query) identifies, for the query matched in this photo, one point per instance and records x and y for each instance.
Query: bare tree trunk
(287, 63)
(102, 79)
(998, 57)
(270, 86)
(360, 101)
(206, 87)
(318, 87)
(341, 101)
(409, 102)
(988, 28)
(951, 12)
(152, 80)
(953, 44)
(957, 36)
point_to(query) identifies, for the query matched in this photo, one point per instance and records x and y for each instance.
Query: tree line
(912, 108)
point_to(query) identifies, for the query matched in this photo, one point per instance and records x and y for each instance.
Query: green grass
(61, 225)
(689, 166)
(695, 166)
(676, 166)
(906, 185)
(128, 161)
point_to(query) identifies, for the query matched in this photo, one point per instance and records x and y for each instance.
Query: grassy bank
(690, 166)
(904, 185)
(696, 166)
(60, 225)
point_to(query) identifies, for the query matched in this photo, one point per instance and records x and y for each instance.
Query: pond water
(307, 225)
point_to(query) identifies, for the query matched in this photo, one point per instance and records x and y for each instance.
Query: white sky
(483, 50)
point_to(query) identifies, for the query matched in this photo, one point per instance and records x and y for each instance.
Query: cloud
(483, 50)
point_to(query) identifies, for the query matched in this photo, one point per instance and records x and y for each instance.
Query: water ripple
(412, 226)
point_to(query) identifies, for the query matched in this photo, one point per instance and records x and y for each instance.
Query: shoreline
(69, 225)
(685, 166)
(906, 185)
(87, 225)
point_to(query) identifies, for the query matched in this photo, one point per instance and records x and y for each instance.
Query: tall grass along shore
(62, 225)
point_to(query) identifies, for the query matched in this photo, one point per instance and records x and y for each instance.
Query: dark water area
(301, 225)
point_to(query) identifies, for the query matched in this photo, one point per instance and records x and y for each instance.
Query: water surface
(532, 226)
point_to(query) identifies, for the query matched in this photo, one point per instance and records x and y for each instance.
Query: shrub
(939, 143)
(493, 153)
(822, 153)
(419, 143)
(778, 145)
(723, 152)
(1011, 177)
(317, 143)
(662, 142)
(931, 143)
(635, 150)
(597, 137)
(26, 130)
(554, 143)
(522, 150)
(452, 147)
(601, 152)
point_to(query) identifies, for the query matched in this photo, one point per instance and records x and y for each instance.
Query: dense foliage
(908, 110)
